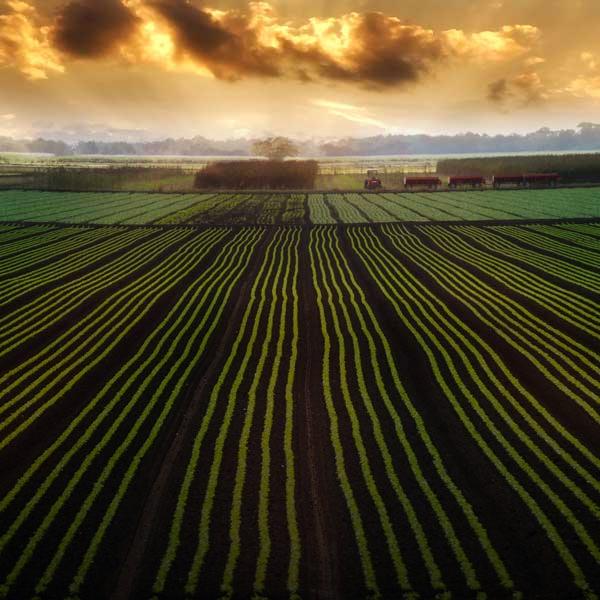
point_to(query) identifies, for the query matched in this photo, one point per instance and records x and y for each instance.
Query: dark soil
(331, 568)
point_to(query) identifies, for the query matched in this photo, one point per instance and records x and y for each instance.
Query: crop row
(81, 207)
(143, 389)
(277, 208)
(551, 470)
(257, 374)
(247, 412)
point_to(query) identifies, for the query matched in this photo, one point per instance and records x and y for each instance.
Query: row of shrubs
(258, 174)
(110, 179)
(571, 167)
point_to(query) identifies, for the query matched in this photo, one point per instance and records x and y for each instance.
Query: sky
(150, 69)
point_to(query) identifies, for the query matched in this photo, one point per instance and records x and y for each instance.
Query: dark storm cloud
(388, 54)
(498, 91)
(382, 52)
(370, 49)
(525, 89)
(93, 28)
(196, 30)
(230, 50)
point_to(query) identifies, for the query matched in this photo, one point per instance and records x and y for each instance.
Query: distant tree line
(571, 167)
(39, 146)
(170, 147)
(585, 137)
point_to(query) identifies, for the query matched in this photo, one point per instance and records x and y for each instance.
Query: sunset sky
(155, 68)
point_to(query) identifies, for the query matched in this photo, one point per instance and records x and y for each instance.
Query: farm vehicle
(372, 182)
(431, 183)
(526, 180)
(462, 181)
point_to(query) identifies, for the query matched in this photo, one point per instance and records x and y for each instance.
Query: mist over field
(585, 138)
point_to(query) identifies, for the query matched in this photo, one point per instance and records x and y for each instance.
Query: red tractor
(372, 182)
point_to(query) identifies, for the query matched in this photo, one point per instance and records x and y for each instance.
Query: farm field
(362, 408)
(138, 208)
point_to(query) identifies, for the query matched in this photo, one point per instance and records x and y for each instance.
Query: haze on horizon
(170, 68)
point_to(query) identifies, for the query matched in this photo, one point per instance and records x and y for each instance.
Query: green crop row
(182, 373)
(328, 208)
(545, 347)
(205, 299)
(553, 266)
(109, 242)
(349, 296)
(569, 306)
(448, 341)
(61, 300)
(101, 334)
(546, 239)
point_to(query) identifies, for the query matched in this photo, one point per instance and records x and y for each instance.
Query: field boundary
(235, 226)
(276, 191)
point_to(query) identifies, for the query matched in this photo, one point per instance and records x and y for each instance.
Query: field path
(183, 428)
(323, 564)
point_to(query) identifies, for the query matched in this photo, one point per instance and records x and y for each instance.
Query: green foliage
(258, 175)
(52, 306)
(108, 179)
(334, 432)
(275, 148)
(437, 331)
(456, 305)
(244, 208)
(571, 167)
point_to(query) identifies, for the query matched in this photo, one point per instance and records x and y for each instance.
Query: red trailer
(466, 180)
(549, 179)
(500, 180)
(428, 182)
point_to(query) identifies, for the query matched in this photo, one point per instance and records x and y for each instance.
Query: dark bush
(258, 174)
(571, 167)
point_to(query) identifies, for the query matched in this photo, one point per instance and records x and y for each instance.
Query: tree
(275, 148)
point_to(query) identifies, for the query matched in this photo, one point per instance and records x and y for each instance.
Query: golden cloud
(590, 60)
(531, 87)
(511, 41)
(25, 44)
(369, 49)
(585, 87)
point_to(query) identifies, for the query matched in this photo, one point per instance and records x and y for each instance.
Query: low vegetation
(278, 208)
(177, 402)
(113, 178)
(571, 168)
(258, 174)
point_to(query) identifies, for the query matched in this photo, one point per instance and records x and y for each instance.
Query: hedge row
(259, 174)
(571, 167)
